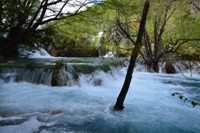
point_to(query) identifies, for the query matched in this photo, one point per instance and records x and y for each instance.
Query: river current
(85, 108)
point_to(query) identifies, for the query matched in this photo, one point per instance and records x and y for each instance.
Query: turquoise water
(149, 106)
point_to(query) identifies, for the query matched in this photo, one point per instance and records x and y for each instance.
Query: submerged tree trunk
(156, 67)
(120, 100)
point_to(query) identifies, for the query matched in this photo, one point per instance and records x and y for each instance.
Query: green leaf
(59, 62)
(175, 93)
(194, 103)
(181, 97)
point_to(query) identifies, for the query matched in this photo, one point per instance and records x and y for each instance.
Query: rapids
(149, 107)
(29, 106)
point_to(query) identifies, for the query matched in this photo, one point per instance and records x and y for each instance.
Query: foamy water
(85, 108)
(149, 106)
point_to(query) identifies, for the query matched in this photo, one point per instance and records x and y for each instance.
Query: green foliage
(21, 20)
(194, 103)
(59, 63)
(185, 99)
(78, 31)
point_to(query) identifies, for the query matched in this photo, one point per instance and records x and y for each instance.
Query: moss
(85, 69)
(10, 66)
(31, 66)
(90, 68)
(116, 63)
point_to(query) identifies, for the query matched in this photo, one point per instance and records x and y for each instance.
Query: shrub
(59, 63)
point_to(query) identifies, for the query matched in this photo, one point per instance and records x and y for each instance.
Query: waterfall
(179, 67)
(43, 71)
(187, 67)
(32, 74)
(40, 71)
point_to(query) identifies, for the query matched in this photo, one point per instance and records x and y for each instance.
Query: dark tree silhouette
(22, 19)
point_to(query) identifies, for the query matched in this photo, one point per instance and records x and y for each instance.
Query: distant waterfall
(183, 67)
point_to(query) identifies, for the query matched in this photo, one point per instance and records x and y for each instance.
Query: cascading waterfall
(187, 67)
(180, 68)
(41, 73)
(36, 106)
(37, 75)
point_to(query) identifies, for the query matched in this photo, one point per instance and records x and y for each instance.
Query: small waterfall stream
(29, 103)
(39, 71)
(33, 73)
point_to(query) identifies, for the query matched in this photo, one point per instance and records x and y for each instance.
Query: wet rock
(169, 68)
(55, 112)
(59, 78)
(97, 81)
(12, 121)
(64, 76)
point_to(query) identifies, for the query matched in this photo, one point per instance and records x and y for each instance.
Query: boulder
(58, 78)
(64, 76)
(169, 68)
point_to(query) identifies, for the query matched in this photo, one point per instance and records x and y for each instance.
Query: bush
(59, 63)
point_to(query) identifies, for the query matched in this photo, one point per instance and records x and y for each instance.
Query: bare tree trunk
(156, 67)
(120, 100)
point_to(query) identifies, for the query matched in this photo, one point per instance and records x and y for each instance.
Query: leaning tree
(120, 100)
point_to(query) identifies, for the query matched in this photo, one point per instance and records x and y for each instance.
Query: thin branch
(145, 59)
(60, 18)
(195, 5)
(147, 44)
(167, 17)
(177, 45)
(124, 31)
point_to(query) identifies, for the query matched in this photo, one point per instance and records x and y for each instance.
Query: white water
(149, 106)
(41, 53)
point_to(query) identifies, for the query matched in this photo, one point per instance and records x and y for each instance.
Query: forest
(95, 58)
(94, 28)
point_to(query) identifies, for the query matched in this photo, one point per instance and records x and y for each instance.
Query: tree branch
(124, 31)
(176, 46)
(195, 5)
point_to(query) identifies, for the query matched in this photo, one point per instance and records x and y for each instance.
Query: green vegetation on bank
(172, 29)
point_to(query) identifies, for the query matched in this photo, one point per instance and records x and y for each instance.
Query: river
(85, 108)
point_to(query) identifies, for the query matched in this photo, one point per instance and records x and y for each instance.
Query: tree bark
(156, 67)
(120, 100)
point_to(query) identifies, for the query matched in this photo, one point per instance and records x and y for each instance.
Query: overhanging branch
(124, 31)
